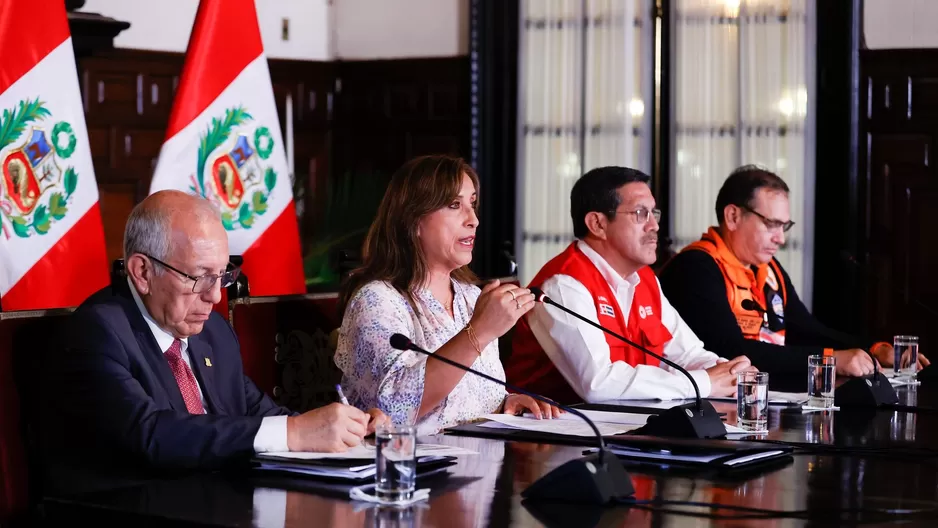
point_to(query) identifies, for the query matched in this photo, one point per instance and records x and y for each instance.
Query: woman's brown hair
(391, 251)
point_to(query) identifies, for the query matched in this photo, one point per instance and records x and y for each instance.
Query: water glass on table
(396, 461)
(752, 400)
(905, 364)
(821, 374)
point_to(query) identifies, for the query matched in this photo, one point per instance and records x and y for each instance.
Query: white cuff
(272, 435)
(703, 383)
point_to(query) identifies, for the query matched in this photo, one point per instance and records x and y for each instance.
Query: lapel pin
(208, 362)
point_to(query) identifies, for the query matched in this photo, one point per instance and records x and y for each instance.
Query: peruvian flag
(52, 251)
(224, 143)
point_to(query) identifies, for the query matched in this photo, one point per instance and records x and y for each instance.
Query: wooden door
(898, 192)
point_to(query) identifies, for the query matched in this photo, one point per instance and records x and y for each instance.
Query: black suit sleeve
(102, 405)
(694, 285)
(260, 404)
(801, 327)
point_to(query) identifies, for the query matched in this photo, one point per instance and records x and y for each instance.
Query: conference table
(848, 466)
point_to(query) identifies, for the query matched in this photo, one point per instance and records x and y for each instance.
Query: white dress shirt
(581, 353)
(272, 435)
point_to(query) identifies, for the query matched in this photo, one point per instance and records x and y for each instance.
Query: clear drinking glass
(905, 363)
(821, 373)
(752, 400)
(395, 458)
(392, 517)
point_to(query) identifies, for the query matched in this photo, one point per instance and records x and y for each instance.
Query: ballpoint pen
(344, 400)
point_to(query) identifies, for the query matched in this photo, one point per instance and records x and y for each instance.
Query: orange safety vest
(529, 367)
(765, 286)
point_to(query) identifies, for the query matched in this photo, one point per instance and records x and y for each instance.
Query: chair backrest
(287, 347)
(25, 342)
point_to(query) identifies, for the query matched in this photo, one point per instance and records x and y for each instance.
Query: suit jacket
(112, 411)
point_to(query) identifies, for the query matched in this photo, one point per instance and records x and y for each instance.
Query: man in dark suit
(151, 381)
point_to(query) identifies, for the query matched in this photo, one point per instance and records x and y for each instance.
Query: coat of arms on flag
(36, 189)
(231, 169)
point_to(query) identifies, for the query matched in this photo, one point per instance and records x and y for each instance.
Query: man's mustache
(649, 238)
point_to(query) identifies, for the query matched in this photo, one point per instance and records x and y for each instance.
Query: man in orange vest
(604, 276)
(737, 297)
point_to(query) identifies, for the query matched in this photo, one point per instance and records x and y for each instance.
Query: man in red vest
(604, 276)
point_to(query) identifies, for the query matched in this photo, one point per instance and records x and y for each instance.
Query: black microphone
(692, 420)
(753, 306)
(874, 390)
(596, 479)
(866, 391)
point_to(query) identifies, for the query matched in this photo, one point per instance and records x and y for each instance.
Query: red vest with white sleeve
(529, 367)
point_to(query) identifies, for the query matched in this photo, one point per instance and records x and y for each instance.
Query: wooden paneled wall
(897, 192)
(390, 111)
(349, 117)
(128, 97)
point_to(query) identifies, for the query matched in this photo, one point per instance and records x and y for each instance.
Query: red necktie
(184, 378)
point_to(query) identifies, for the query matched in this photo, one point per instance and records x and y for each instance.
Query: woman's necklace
(449, 304)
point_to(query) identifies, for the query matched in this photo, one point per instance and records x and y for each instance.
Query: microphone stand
(692, 420)
(595, 479)
(865, 391)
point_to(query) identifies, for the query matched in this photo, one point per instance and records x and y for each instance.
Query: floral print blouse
(376, 375)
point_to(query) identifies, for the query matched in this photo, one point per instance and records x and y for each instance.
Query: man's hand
(377, 419)
(853, 362)
(886, 355)
(723, 375)
(330, 429)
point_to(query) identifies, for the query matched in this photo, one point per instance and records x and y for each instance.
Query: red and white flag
(52, 251)
(224, 143)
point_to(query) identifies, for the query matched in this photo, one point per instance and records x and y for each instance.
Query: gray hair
(149, 228)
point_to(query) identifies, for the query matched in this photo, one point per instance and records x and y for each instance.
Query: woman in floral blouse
(415, 281)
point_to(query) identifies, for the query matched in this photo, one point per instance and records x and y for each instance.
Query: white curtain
(585, 98)
(743, 90)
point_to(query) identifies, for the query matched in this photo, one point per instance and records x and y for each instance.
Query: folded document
(357, 464)
(609, 423)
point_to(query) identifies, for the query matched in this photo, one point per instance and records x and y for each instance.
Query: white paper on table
(608, 423)
(609, 417)
(774, 397)
(790, 397)
(563, 425)
(367, 452)
(899, 382)
(737, 431)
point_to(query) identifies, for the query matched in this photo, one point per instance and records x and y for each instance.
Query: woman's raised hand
(498, 309)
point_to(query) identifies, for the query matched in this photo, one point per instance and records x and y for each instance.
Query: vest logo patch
(778, 307)
(605, 309)
(644, 311)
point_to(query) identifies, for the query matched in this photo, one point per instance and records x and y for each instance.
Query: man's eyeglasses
(642, 214)
(205, 282)
(771, 225)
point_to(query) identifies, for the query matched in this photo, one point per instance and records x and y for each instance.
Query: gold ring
(512, 293)
(518, 303)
